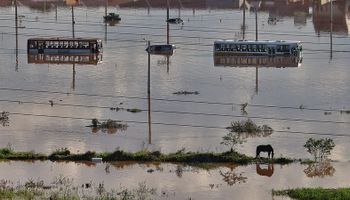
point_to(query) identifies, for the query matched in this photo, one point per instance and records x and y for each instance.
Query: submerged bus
(60, 45)
(259, 47)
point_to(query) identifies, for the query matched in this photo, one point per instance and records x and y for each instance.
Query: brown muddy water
(173, 181)
(299, 95)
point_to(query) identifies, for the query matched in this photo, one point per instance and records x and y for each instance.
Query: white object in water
(96, 160)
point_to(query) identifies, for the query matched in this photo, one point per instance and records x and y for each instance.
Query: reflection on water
(262, 170)
(123, 75)
(256, 61)
(319, 169)
(89, 59)
(220, 182)
(322, 16)
(231, 177)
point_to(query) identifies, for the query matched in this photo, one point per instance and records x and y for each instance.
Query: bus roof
(64, 39)
(257, 42)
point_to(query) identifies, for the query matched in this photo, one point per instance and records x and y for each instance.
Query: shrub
(320, 149)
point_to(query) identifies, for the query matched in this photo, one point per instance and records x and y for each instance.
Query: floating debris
(327, 113)
(96, 160)
(345, 112)
(134, 110)
(186, 93)
(116, 109)
(243, 107)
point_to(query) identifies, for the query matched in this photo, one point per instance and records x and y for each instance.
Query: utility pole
(56, 12)
(149, 95)
(256, 23)
(106, 29)
(243, 27)
(16, 27)
(167, 22)
(331, 31)
(73, 22)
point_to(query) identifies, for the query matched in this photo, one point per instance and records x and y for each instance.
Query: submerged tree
(231, 140)
(320, 149)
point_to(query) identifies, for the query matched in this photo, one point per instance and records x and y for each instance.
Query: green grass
(315, 193)
(181, 156)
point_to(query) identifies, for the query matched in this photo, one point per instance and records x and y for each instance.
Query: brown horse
(264, 148)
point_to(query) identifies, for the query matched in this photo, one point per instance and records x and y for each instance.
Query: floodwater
(183, 182)
(292, 99)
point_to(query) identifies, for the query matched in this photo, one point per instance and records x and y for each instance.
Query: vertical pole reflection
(16, 27)
(149, 95)
(73, 83)
(167, 63)
(256, 80)
(56, 12)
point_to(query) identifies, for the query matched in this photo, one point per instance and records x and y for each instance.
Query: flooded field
(52, 104)
(184, 182)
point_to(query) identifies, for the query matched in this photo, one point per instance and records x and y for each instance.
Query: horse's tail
(257, 152)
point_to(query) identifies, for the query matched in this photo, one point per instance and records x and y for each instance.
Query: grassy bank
(119, 155)
(315, 193)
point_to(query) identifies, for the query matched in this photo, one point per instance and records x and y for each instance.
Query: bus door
(41, 46)
(92, 47)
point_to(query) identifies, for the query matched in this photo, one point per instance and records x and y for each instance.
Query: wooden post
(149, 95)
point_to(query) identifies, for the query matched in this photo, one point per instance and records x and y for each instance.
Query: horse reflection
(265, 171)
(264, 148)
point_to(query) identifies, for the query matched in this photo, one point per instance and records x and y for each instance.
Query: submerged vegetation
(4, 118)
(249, 127)
(241, 130)
(110, 126)
(315, 193)
(63, 188)
(183, 92)
(320, 148)
(132, 110)
(180, 156)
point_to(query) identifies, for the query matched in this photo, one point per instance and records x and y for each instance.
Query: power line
(169, 100)
(185, 112)
(173, 124)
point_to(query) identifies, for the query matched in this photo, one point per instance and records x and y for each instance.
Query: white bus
(64, 45)
(260, 47)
